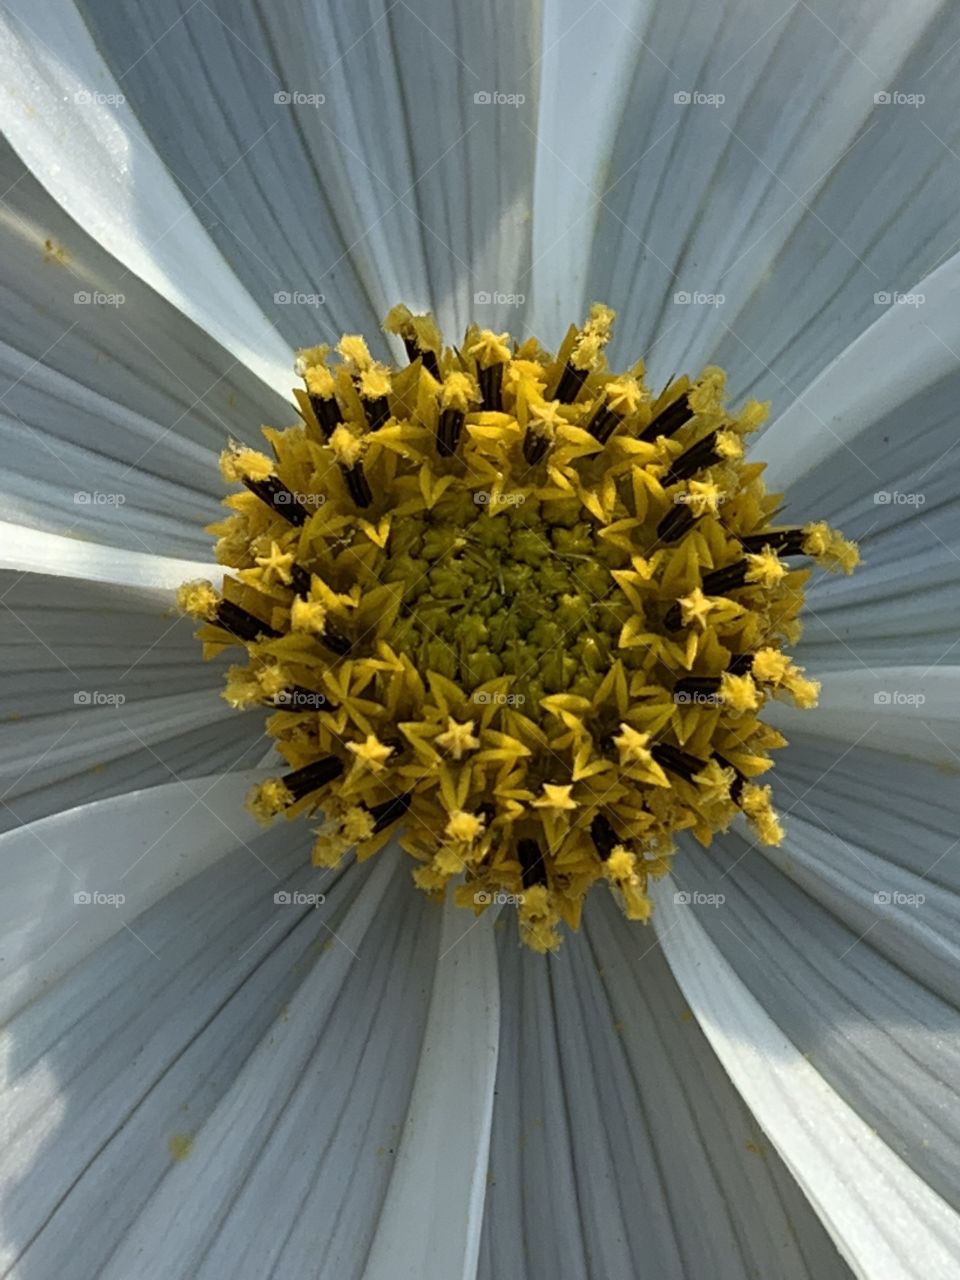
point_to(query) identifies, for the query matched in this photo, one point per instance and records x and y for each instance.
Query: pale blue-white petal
(884, 1219)
(397, 186)
(620, 1148)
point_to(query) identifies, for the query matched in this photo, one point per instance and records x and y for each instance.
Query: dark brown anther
(449, 426)
(312, 777)
(535, 445)
(719, 581)
(603, 423)
(491, 387)
(386, 813)
(785, 542)
(335, 640)
(740, 664)
(679, 762)
(429, 358)
(299, 580)
(739, 780)
(279, 499)
(571, 380)
(603, 836)
(678, 521)
(328, 413)
(377, 412)
(357, 485)
(669, 420)
(240, 623)
(696, 688)
(532, 868)
(699, 456)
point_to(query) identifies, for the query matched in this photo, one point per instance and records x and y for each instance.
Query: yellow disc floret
(514, 607)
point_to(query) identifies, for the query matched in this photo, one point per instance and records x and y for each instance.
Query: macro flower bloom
(231, 1049)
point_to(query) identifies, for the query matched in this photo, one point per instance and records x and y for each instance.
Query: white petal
(281, 1041)
(104, 691)
(34, 551)
(114, 405)
(867, 1017)
(614, 1117)
(432, 1216)
(903, 354)
(885, 1220)
(137, 846)
(895, 709)
(396, 187)
(757, 202)
(93, 157)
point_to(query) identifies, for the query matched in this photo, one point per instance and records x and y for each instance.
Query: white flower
(219, 1062)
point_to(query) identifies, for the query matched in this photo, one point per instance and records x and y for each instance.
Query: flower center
(515, 605)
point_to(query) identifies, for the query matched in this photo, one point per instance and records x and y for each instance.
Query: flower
(233, 1063)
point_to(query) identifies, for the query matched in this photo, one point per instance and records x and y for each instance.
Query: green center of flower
(515, 606)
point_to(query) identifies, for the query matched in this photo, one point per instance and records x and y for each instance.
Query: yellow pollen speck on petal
(511, 615)
(180, 1145)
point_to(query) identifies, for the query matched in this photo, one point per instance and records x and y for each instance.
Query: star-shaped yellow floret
(276, 565)
(556, 797)
(457, 739)
(371, 752)
(696, 607)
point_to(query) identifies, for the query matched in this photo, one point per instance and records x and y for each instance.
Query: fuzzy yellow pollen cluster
(525, 614)
(346, 445)
(198, 599)
(238, 464)
(458, 392)
(490, 348)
